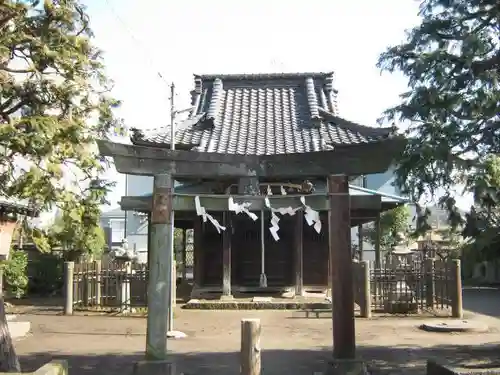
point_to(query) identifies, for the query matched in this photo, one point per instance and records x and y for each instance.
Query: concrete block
(18, 329)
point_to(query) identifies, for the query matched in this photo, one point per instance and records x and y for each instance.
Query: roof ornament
(213, 109)
(200, 211)
(331, 93)
(313, 102)
(307, 187)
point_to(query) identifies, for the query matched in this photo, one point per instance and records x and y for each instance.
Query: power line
(136, 40)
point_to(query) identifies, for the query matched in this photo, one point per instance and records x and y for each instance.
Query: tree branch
(10, 70)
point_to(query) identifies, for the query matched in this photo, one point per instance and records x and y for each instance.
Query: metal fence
(413, 286)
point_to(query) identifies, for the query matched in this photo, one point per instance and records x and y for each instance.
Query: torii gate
(336, 165)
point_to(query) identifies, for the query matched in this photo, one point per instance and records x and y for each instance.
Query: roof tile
(263, 114)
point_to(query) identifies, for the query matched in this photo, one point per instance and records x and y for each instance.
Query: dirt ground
(291, 343)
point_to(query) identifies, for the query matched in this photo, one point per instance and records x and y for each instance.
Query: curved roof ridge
(257, 76)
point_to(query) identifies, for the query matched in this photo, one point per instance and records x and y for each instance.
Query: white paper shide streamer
(311, 216)
(275, 218)
(200, 211)
(241, 207)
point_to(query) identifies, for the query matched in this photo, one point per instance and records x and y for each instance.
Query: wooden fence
(409, 288)
(120, 285)
(117, 285)
(391, 288)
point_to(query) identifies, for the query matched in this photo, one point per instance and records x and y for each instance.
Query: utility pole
(171, 302)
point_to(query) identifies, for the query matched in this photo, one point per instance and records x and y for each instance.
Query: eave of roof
(10, 206)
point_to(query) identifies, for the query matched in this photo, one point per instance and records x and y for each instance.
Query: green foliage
(393, 223)
(54, 102)
(15, 273)
(452, 61)
(75, 232)
(46, 274)
(483, 222)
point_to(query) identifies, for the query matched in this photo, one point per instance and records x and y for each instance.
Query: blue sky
(178, 38)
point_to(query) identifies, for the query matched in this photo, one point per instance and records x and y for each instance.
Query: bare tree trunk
(9, 362)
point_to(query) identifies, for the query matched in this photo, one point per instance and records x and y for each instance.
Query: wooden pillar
(226, 256)
(69, 269)
(429, 283)
(299, 257)
(250, 347)
(198, 269)
(98, 282)
(377, 241)
(250, 186)
(456, 298)
(360, 242)
(344, 340)
(149, 241)
(160, 268)
(366, 297)
(184, 250)
(364, 183)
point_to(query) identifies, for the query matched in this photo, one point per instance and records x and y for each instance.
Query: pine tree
(54, 101)
(452, 62)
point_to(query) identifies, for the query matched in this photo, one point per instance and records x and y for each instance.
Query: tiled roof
(12, 206)
(263, 114)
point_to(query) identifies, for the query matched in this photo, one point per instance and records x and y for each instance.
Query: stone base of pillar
(346, 367)
(299, 291)
(226, 297)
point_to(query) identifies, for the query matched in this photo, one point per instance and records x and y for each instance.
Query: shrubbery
(15, 274)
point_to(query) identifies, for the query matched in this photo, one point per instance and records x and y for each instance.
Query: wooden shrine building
(286, 127)
(250, 139)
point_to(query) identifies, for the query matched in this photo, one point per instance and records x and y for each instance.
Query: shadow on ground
(381, 360)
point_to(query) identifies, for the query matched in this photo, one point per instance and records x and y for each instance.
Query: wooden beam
(349, 160)
(112, 149)
(318, 202)
(183, 169)
(344, 337)
(148, 161)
